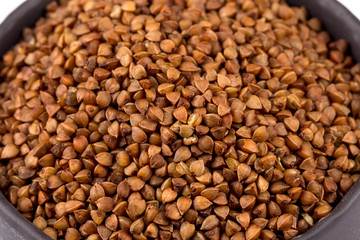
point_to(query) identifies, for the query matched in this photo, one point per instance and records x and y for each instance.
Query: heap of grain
(174, 119)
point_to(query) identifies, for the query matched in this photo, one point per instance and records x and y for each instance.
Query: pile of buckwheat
(175, 119)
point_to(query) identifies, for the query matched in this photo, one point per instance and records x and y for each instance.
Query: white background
(352, 5)
(6, 6)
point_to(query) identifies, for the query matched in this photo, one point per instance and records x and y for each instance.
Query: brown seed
(154, 36)
(181, 114)
(155, 114)
(262, 184)
(168, 195)
(9, 151)
(123, 158)
(182, 154)
(172, 74)
(40, 222)
(187, 230)
(285, 222)
(243, 219)
(346, 184)
(103, 99)
(188, 67)
(186, 131)
(247, 202)
(103, 232)
(173, 97)
(111, 222)
(253, 232)
(201, 84)
(151, 231)
(157, 161)
(123, 189)
(350, 138)
(128, 6)
(254, 103)
(105, 204)
(292, 123)
(289, 78)
(212, 120)
(197, 167)
(308, 198)
(231, 228)
(222, 212)
(72, 205)
(167, 46)
(183, 204)
(323, 73)
(97, 216)
(172, 212)
(329, 185)
(138, 72)
(293, 142)
(136, 207)
(210, 222)
(248, 145)
(24, 205)
(104, 159)
(206, 144)
(223, 109)
(135, 183)
(201, 203)
(62, 223)
(137, 226)
(194, 119)
(83, 176)
(73, 234)
(96, 192)
(105, 24)
(81, 215)
(292, 177)
(80, 143)
(138, 135)
(55, 71)
(25, 173)
(51, 232)
(165, 88)
(243, 171)
(54, 182)
(223, 81)
(321, 211)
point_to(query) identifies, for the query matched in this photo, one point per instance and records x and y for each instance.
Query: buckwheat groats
(175, 119)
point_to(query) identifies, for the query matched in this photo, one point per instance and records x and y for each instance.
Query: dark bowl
(342, 223)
